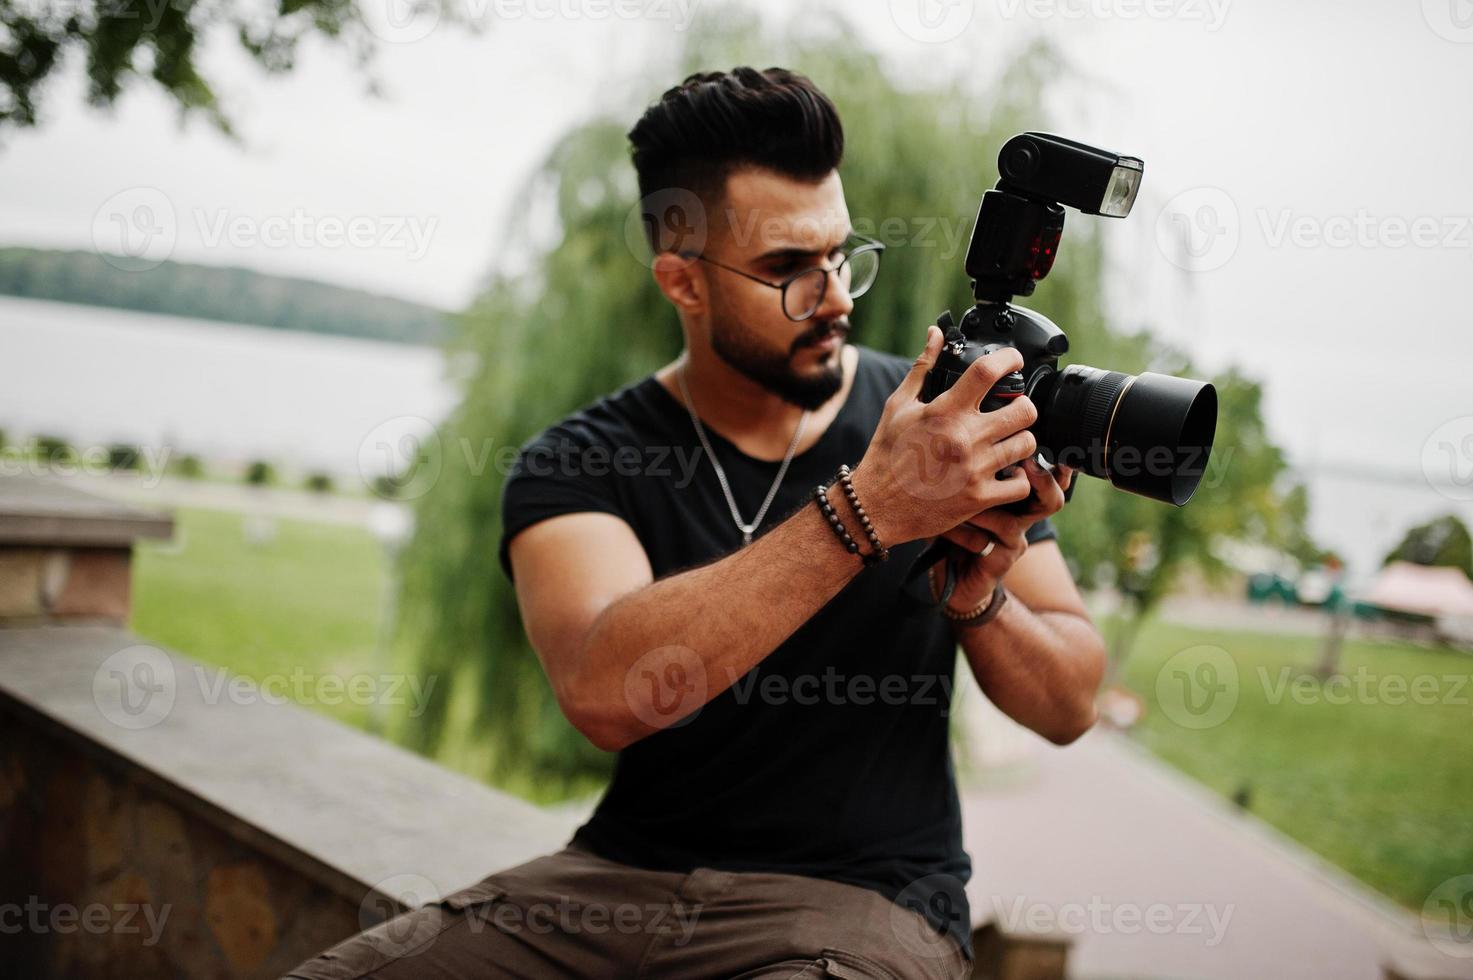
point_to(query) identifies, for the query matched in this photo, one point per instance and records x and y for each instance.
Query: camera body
(1150, 434)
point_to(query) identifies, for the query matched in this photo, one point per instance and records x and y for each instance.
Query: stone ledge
(36, 511)
(365, 819)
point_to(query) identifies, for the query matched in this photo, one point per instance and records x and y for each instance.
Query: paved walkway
(1153, 876)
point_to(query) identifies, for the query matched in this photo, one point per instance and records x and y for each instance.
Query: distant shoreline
(218, 294)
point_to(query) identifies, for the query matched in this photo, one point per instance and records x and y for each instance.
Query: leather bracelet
(821, 494)
(985, 612)
(878, 552)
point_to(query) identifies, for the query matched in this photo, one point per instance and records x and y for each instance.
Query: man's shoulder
(612, 419)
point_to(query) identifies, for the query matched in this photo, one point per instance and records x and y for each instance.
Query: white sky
(1296, 118)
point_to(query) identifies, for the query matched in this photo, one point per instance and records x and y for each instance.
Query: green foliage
(123, 457)
(53, 449)
(1444, 541)
(260, 473)
(319, 482)
(586, 318)
(189, 466)
(127, 39)
(213, 293)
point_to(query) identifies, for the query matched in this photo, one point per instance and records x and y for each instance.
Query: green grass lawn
(1384, 790)
(304, 603)
(1381, 786)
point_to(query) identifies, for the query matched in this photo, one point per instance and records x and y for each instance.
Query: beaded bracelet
(878, 552)
(821, 494)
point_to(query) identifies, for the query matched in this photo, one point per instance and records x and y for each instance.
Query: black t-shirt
(831, 757)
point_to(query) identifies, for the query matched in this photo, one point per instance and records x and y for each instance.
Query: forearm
(1042, 669)
(714, 622)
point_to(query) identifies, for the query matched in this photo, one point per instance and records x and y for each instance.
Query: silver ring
(987, 550)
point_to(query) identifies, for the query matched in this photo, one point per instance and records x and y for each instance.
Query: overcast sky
(1317, 157)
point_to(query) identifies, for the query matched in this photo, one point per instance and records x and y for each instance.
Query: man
(784, 802)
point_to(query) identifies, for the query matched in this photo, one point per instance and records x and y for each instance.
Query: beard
(745, 352)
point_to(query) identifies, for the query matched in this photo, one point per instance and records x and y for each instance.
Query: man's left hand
(978, 575)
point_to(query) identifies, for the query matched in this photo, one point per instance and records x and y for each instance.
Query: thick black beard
(774, 371)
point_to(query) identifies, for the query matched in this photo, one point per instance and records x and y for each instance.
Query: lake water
(306, 401)
(309, 401)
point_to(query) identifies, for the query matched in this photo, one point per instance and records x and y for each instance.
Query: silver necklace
(736, 516)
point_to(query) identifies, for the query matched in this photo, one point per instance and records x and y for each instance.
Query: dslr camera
(1150, 434)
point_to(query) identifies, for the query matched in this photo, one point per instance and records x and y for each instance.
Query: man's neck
(758, 422)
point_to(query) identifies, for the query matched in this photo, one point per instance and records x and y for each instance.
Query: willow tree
(573, 314)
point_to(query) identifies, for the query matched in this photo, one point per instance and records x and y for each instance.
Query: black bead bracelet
(821, 494)
(878, 551)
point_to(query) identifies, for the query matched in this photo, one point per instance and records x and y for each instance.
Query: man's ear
(681, 281)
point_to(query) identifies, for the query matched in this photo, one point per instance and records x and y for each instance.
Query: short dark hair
(716, 122)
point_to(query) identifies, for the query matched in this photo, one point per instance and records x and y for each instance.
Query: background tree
(1444, 541)
(572, 314)
(156, 40)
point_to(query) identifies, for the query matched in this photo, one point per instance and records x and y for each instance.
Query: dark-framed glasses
(804, 290)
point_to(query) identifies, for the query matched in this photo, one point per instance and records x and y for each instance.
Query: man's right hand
(930, 466)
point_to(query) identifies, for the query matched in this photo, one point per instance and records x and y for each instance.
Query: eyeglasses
(803, 291)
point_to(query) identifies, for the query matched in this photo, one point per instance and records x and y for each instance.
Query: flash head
(1051, 169)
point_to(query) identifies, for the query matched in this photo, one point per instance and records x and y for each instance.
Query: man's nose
(836, 300)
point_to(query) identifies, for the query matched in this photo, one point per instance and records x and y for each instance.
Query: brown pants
(574, 914)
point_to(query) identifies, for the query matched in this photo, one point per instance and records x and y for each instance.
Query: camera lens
(1150, 434)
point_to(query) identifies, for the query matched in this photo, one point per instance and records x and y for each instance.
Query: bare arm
(656, 653)
(1040, 660)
